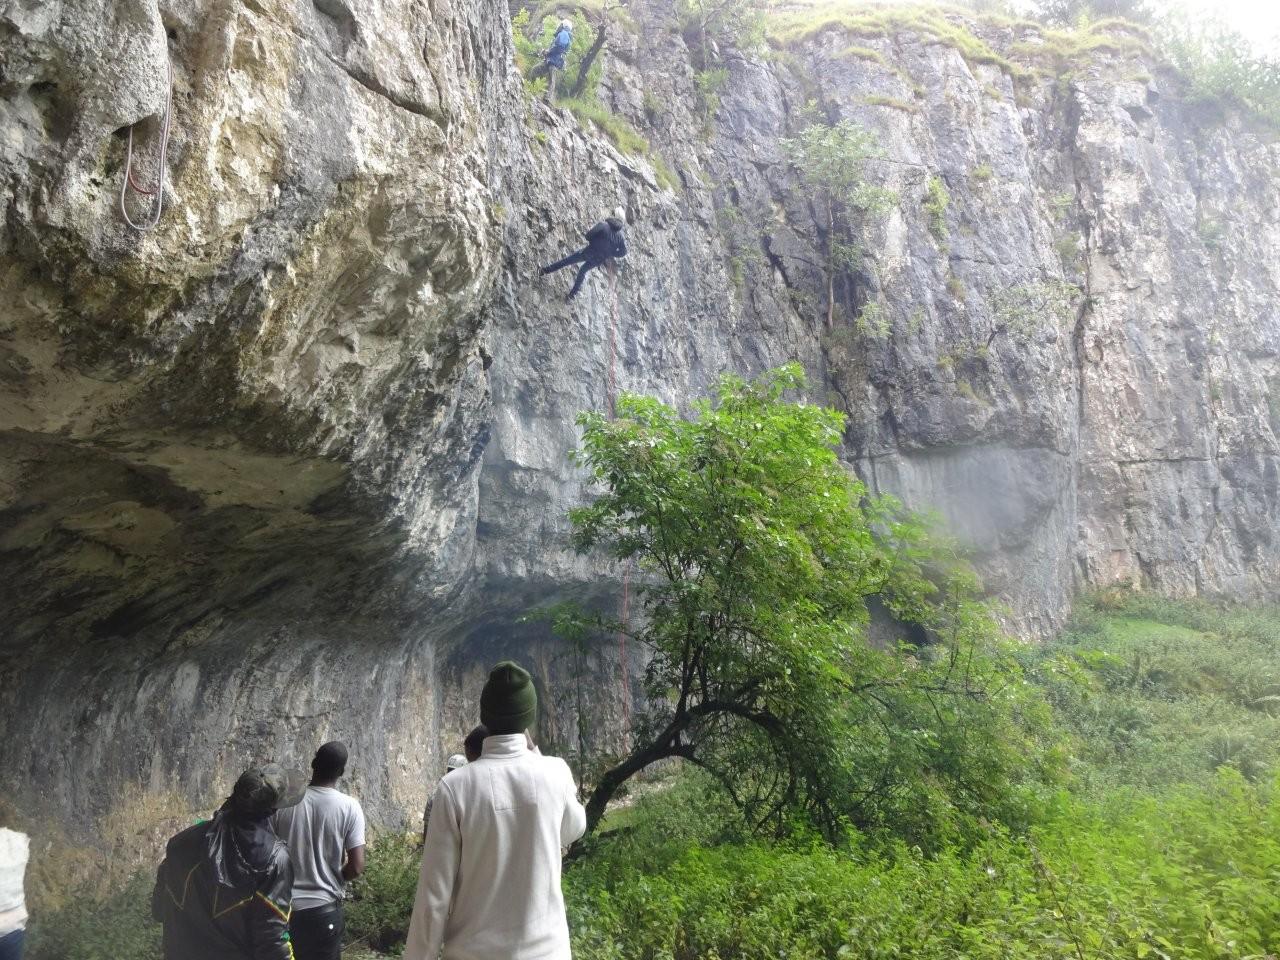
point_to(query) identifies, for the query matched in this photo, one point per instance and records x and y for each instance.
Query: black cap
(269, 787)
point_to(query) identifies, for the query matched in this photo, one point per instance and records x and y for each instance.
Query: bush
(1222, 65)
(530, 46)
(1186, 876)
(88, 927)
(1160, 693)
(382, 898)
(935, 204)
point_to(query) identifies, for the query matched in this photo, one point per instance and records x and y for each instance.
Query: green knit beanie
(509, 702)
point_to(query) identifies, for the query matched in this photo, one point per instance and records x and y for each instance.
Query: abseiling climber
(605, 241)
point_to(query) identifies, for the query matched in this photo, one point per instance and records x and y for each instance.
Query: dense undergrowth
(1164, 843)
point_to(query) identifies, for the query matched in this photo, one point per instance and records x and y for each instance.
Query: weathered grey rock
(295, 465)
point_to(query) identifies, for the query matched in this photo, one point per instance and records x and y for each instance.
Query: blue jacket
(559, 47)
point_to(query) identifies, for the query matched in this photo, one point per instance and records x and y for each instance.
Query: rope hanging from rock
(626, 574)
(130, 181)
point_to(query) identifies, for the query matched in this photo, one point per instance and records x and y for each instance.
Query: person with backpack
(224, 889)
(553, 58)
(605, 241)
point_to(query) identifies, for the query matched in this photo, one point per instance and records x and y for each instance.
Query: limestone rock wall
(294, 465)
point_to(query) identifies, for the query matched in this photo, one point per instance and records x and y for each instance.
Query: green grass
(932, 22)
(1188, 875)
(623, 136)
(666, 177)
(893, 103)
(855, 52)
(1162, 693)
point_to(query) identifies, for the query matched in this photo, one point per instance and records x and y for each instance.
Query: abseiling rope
(613, 413)
(131, 181)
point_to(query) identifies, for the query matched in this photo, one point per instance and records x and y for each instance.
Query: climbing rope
(613, 338)
(156, 192)
(626, 574)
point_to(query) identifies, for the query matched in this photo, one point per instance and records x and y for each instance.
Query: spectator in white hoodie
(14, 848)
(490, 882)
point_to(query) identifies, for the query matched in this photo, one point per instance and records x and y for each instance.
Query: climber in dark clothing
(224, 889)
(604, 242)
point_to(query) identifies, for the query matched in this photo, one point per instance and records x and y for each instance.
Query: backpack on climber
(553, 58)
(605, 241)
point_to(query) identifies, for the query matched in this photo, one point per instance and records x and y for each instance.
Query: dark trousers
(317, 933)
(583, 257)
(11, 945)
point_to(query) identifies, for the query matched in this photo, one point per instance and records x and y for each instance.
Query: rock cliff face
(293, 465)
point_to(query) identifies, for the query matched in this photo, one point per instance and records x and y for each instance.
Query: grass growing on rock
(932, 22)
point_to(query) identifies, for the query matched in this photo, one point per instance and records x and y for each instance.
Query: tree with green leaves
(709, 24)
(832, 161)
(1070, 12)
(757, 558)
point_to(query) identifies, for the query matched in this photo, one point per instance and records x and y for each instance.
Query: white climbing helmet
(620, 214)
(566, 24)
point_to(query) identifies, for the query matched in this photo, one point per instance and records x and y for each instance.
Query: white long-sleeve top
(490, 882)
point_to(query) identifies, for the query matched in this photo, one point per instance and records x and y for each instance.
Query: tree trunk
(585, 66)
(616, 776)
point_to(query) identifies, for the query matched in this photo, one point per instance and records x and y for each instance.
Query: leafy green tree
(758, 557)
(1220, 64)
(832, 162)
(708, 24)
(1073, 11)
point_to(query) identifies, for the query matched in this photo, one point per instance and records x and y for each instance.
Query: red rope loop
(131, 181)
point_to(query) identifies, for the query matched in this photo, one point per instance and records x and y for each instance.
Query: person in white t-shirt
(15, 847)
(489, 888)
(325, 836)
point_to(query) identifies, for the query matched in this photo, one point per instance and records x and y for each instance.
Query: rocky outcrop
(294, 465)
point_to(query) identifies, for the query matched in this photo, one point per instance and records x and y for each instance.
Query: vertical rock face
(293, 465)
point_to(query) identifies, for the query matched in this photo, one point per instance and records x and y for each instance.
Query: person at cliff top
(553, 58)
(605, 241)
(224, 887)
(325, 836)
(489, 888)
(471, 748)
(15, 847)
